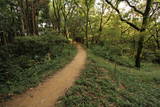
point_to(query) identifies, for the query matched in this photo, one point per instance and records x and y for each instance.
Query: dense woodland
(36, 36)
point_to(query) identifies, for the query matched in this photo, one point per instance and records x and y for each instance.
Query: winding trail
(47, 93)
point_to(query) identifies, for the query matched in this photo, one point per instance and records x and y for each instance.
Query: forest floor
(48, 92)
(106, 84)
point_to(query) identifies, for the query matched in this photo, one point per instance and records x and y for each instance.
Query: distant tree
(55, 14)
(44, 14)
(29, 16)
(88, 5)
(103, 9)
(68, 9)
(9, 24)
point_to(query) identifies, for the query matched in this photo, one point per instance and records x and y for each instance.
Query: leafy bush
(26, 62)
(151, 56)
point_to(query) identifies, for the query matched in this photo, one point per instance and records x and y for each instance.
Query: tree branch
(80, 7)
(131, 24)
(135, 9)
(122, 19)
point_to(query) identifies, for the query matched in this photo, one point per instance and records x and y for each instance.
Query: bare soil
(48, 92)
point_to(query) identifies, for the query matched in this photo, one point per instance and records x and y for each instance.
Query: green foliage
(119, 86)
(112, 53)
(8, 17)
(113, 30)
(76, 31)
(30, 59)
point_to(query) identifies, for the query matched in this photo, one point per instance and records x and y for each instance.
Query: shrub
(26, 62)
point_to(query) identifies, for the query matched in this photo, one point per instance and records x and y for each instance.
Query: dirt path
(46, 94)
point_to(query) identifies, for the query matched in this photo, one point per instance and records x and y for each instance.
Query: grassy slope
(103, 84)
(24, 78)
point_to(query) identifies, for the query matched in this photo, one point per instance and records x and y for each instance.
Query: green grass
(26, 63)
(113, 54)
(123, 54)
(104, 84)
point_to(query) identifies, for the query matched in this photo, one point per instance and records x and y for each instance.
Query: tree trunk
(27, 18)
(33, 18)
(143, 28)
(66, 31)
(22, 17)
(36, 24)
(157, 39)
(30, 16)
(86, 32)
(22, 26)
(36, 17)
(101, 20)
(11, 37)
(59, 22)
(2, 38)
(139, 51)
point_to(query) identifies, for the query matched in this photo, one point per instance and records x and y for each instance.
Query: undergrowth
(124, 55)
(106, 84)
(29, 60)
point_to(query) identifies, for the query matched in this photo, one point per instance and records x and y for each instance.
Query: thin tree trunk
(11, 35)
(66, 29)
(36, 17)
(3, 39)
(27, 18)
(33, 18)
(11, 32)
(101, 20)
(20, 2)
(86, 32)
